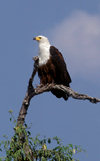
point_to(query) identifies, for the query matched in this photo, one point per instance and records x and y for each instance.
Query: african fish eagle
(51, 66)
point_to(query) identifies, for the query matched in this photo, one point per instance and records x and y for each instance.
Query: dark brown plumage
(55, 71)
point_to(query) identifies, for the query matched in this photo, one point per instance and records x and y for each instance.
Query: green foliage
(43, 149)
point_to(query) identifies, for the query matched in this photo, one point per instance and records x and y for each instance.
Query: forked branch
(31, 92)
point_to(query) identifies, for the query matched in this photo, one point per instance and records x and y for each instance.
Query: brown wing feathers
(55, 71)
(62, 76)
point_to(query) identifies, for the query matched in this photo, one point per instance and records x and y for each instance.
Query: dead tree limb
(31, 92)
(67, 90)
(26, 101)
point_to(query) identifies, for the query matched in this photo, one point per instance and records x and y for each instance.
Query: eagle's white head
(44, 49)
(42, 40)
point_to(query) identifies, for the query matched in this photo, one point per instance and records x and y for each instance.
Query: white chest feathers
(44, 53)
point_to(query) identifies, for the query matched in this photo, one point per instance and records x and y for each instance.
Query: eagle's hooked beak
(36, 38)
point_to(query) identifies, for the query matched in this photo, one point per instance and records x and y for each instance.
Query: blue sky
(74, 28)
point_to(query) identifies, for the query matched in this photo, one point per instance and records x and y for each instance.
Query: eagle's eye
(39, 37)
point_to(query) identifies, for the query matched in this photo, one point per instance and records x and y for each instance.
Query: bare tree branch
(67, 90)
(31, 92)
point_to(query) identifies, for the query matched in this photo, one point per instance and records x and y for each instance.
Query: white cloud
(78, 36)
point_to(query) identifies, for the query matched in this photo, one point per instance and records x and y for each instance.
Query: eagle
(51, 66)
